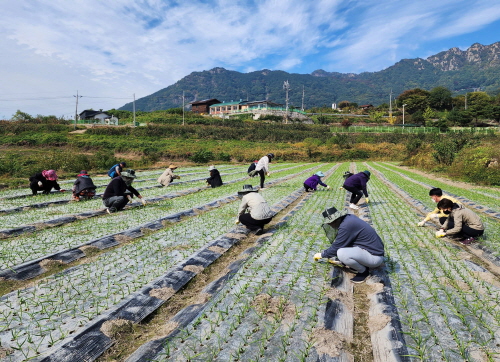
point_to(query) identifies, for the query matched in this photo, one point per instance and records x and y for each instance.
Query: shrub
(202, 156)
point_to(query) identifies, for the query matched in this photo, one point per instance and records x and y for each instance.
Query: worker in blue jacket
(356, 184)
(354, 243)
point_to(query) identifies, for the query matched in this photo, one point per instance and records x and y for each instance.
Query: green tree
(428, 114)
(440, 98)
(415, 99)
(495, 113)
(21, 116)
(479, 105)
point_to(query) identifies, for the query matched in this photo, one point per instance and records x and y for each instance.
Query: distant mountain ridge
(478, 67)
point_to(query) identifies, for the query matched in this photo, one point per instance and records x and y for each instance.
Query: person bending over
(354, 242)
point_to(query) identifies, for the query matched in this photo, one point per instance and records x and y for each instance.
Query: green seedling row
(32, 246)
(69, 300)
(447, 304)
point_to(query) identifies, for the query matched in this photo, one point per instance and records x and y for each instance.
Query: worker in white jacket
(254, 212)
(262, 168)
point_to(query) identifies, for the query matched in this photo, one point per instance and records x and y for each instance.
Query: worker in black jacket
(214, 180)
(114, 197)
(44, 181)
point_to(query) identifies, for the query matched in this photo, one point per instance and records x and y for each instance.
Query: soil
(115, 327)
(343, 297)
(197, 269)
(162, 293)
(328, 342)
(49, 263)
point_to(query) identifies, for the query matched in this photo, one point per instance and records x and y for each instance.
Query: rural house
(100, 116)
(203, 106)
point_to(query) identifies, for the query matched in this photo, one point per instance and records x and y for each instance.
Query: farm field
(77, 283)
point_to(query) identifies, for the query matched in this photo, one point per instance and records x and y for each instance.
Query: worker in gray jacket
(354, 242)
(254, 212)
(462, 222)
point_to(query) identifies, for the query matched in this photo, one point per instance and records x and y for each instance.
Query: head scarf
(49, 175)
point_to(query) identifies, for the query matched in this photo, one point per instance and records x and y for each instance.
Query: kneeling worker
(462, 222)
(254, 212)
(114, 197)
(354, 242)
(436, 215)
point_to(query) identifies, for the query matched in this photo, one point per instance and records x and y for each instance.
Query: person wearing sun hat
(168, 176)
(214, 180)
(312, 182)
(254, 212)
(114, 197)
(44, 181)
(83, 186)
(354, 243)
(356, 184)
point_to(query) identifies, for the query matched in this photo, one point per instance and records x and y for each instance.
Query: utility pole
(183, 108)
(133, 108)
(76, 109)
(465, 100)
(390, 106)
(286, 87)
(302, 108)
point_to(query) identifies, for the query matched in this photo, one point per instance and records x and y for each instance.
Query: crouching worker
(437, 216)
(354, 243)
(83, 187)
(114, 197)
(214, 180)
(461, 223)
(312, 182)
(254, 212)
(168, 176)
(44, 181)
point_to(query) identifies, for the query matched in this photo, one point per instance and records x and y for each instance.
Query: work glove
(440, 233)
(40, 184)
(268, 174)
(143, 201)
(341, 187)
(335, 262)
(328, 187)
(421, 223)
(317, 256)
(237, 221)
(62, 190)
(367, 200)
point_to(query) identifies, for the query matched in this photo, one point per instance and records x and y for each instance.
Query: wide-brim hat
(331, 214)
(173, 167)
(129, 174)
(320, 174)
(211, 168)
(247, 189)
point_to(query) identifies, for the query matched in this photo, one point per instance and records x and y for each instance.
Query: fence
(392, 129)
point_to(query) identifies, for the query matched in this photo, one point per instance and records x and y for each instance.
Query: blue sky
(110, 50)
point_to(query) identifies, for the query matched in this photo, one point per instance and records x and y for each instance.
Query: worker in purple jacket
(312, 182)
(356, 184)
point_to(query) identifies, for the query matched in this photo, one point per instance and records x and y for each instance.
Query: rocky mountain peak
(484, 56)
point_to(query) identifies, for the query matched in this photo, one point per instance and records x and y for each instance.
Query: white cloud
(116, 48)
